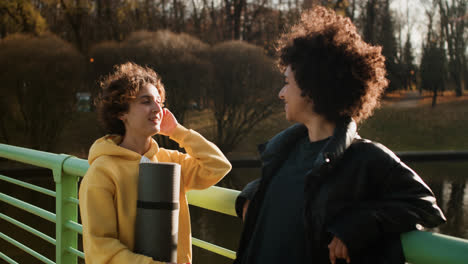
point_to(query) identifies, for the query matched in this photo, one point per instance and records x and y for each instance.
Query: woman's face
(144, 115)
(298, 108)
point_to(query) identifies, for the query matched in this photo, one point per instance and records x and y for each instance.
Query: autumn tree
(244, 90)
(20, 16)
(40, 77)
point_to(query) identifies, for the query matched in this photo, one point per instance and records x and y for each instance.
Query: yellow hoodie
(108, 194)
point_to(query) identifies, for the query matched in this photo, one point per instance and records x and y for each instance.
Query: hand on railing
(338, 250)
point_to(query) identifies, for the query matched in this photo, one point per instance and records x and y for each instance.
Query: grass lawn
(422, 128)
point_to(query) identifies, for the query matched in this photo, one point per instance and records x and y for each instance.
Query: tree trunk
(369, 27)
(238, 12)
(75, 23)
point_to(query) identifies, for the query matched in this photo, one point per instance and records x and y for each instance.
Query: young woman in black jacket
(326, 195)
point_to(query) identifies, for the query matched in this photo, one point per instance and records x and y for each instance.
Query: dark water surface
(448, 180)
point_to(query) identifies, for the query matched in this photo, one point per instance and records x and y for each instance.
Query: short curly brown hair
(333, 66)
(118, 89)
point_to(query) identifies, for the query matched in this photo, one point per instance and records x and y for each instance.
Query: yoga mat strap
(157, 205)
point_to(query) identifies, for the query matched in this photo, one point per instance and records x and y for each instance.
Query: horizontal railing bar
(432, 248)
(73, 200)
(7, 259)
(214, 198)
(72, 166)
(75, 252)
(78, 167)
(26, 249)
(30, 156)
(214, 248)
(28, 185)
(74, 226)
(28, 207)
(28, 228)
(75, 166)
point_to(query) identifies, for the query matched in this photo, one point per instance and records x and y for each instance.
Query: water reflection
(453, 198)
(450, 186)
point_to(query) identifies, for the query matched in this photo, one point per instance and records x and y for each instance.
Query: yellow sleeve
(204, 164)
(99, 218)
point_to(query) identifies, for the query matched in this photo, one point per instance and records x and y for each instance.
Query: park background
(217, 61)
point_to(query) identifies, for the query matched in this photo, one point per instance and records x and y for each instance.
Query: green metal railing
(419, 247)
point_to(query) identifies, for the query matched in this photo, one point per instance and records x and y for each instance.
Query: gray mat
(157, 220)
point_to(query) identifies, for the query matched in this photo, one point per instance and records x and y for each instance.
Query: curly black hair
(119, 88)
(333, 66)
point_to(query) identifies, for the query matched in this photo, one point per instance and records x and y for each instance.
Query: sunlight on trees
(20, 16)
(182, 41)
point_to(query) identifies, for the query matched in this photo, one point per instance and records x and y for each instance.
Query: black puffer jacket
(358, 190)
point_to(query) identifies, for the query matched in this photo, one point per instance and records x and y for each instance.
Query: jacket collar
(278, 147)
(344, 134)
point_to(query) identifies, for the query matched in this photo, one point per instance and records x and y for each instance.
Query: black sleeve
(247, 194)
(404, 201)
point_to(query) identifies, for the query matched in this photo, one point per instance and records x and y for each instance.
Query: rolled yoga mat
(157, 220)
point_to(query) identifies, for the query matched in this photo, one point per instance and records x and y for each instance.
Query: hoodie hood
(109, 146)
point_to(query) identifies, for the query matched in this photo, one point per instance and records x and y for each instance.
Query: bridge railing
(419, 247)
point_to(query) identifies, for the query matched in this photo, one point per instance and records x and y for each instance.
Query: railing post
(65, 186)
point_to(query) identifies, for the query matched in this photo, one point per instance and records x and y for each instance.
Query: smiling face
(298, 108)
(144, 115)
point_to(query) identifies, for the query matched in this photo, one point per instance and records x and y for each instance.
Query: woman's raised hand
(168, 123)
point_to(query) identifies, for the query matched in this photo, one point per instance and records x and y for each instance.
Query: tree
(77, 15)
(432, 70)
(369, 18)
(378, 24)
(454, 33)
(244, 90)
(20, 16)
(387, 39)
(433, 61)
(40, 91)
(408, 67)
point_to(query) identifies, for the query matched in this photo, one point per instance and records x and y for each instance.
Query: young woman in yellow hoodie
(131, 109)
